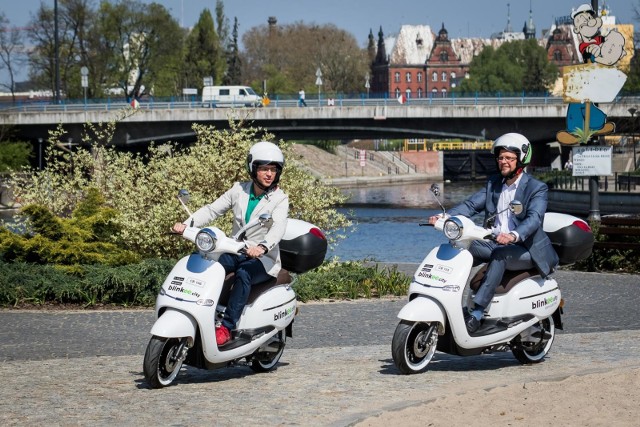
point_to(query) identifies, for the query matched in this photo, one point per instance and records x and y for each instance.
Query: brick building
(420, 63)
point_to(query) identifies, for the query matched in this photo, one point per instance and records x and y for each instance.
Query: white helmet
(517, 144)
(265, 153)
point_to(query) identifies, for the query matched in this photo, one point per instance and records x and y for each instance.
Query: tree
(632, 85)
(234, 64)
(140, 42)
(515, 66)
(11, 46)
(292, 53)
(204, 56)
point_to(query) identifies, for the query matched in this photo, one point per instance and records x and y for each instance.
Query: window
(419, 76)
(444, 76)
(408, 93)
(224, 91)
(434, 76)
(453, 75)
(407, 77)
(444, 93)
(419, 92)
(557, 55)
(396, 77)
(444, 56)
(397, 92)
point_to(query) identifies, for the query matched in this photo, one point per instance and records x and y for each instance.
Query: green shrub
(82, 239)
(133, 284)
(350, 280)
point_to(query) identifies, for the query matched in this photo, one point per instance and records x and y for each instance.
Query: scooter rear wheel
(413, 346)
(537, 344)
(267, 361)
(163, 360)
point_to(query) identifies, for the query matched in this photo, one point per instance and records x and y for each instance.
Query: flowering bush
(142, 188)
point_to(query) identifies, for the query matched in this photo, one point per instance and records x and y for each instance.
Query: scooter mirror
(265, 220)
(184, 196)
(435, 189)
(516, 207)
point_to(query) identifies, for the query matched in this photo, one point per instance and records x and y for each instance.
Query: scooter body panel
(194, 286)
(174, 324)
(276, 307)
(422, 310)
(443, 275)
(534, 295)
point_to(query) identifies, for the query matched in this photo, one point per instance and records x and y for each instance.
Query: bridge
(467, 118)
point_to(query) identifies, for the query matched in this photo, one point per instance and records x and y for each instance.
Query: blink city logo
(544, 302)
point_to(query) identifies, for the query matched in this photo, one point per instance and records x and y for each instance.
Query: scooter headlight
(453, 228)
(206, 240)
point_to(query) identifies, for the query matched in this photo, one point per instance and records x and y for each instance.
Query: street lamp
(633, 111)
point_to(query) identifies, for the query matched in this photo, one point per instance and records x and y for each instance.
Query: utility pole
(56, 44)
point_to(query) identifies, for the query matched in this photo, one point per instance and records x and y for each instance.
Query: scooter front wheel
(413, 346)
(163, 360)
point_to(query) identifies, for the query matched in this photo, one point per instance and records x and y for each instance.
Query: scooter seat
(256, 290)
(509, 279)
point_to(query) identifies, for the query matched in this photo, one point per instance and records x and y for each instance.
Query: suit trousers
(499, 258)
(249, 271)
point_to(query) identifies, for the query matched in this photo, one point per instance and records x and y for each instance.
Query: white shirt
(504, 221)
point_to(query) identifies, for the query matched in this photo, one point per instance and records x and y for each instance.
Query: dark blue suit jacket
(533, 195)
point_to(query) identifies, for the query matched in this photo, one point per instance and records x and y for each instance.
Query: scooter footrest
(252, 334)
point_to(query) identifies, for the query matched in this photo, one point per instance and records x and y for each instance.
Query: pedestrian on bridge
(301, 101)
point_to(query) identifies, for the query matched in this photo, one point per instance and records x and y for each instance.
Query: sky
(461, 18)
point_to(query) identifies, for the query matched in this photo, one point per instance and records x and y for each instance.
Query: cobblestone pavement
(332, 386)
(85, 368)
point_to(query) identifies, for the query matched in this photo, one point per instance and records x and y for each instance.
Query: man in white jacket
(248, 200)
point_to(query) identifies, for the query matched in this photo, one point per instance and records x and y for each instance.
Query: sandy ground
(600, 399)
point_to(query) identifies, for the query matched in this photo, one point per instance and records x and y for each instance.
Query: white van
(230, 96)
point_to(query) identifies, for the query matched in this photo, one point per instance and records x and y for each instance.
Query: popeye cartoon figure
(595, 48)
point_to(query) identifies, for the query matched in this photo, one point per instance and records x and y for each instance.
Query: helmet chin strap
(515, 173)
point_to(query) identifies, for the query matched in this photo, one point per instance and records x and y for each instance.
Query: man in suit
(520, 242)
(247, 200)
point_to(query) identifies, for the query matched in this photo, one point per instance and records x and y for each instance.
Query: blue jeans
(500, 259)
(249, 271)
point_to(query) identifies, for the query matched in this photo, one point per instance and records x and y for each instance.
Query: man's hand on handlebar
(505, 238)
(255, 251)
(178, 228)
(434, 219)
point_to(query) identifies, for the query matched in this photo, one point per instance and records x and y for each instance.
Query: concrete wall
(427, 162)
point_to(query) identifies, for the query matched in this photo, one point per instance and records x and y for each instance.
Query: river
(386, 221)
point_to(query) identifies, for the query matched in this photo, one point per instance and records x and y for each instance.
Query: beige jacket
(276, 202)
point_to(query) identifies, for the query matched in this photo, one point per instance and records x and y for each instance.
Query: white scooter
(194, 294)
(522, 317)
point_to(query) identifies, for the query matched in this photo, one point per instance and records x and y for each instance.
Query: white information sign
(592, 161)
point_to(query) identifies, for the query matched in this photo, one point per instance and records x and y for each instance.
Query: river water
(386, 221)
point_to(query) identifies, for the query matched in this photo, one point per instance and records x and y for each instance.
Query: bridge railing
(324, 101)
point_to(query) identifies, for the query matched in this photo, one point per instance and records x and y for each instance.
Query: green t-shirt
(253, 202)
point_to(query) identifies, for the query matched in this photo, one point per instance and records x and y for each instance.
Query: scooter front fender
(174, 324)
(422, 309)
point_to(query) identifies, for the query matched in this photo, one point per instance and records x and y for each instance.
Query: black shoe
(472, 324)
